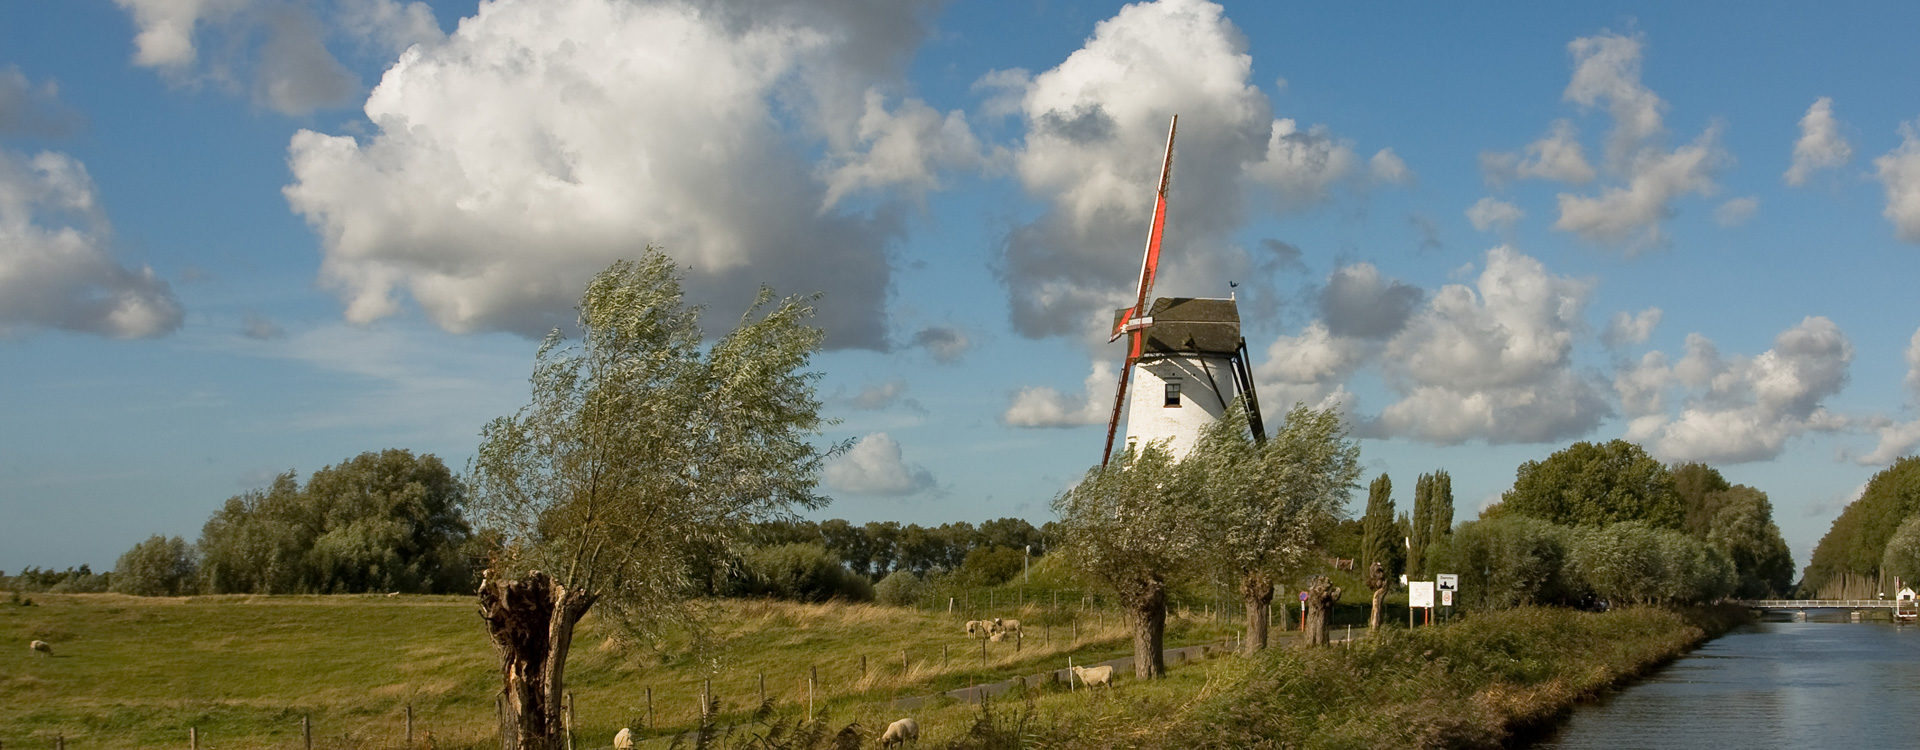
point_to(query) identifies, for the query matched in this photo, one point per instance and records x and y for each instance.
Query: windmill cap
(1190, 325)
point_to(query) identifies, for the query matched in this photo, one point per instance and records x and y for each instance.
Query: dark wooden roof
(1191, 325)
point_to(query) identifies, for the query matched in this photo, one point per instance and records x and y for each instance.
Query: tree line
(1874, 541)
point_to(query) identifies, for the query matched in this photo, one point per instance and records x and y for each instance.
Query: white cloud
(905, 148)
(879, 395)
(1607, 70)
(874, 466)
(1913, 364)
(1736, 211)
(1315, 357)
(1742, 409)
(1387, 167)
(1492, 214)
(26, 109)
(1899, 439)
(275, 48)
(1095, 128)
(532, 147)
(390, 24)
(1899, 172)
(1820, 146)
(1555, 156)
(55, 268)
(1630, 328)
(1044, 406)
(1494, 361)
(1633, 213)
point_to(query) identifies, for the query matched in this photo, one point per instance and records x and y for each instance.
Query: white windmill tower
(1185, 352)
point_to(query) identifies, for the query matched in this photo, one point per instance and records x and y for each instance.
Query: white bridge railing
(1823, 603)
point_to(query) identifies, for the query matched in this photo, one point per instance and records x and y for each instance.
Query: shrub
(990, 566)
(901, 588)
(1508, 561)
(804, 572)
(159, 566)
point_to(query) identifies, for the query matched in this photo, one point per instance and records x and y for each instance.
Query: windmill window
(1173, 393)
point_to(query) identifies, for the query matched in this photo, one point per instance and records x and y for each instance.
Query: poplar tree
(1378, 540)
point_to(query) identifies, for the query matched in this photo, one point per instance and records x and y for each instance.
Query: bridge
(1798, 604)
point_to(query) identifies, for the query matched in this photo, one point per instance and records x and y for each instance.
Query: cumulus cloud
(1646, 179)
(1899, 172)
(56, 271)
(1387, 167)
(531, 148)
(1095, 126)
(946, 343)
(1737, 408)
(1898, 439)
(874, 466)
(1736, 211)
(1626, 329)
(879, 395)
(1494, 361)
(1283, 255)
(1492, 214)
(277, 49)
(1820, 146)
(1045, 406)
(1358, 302)
(26, 109)
(906, 149)
(1557, 156)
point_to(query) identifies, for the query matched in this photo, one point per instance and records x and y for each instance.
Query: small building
(1192, 364)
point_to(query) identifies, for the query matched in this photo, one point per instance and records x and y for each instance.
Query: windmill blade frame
(1133, 322)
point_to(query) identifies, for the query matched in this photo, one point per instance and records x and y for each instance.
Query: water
(1770, 684)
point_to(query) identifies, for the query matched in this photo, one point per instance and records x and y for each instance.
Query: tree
(1595, 485)
(1509, 561)
(1743, 529)
(1698, 486)
(159, 566)
(1267, 504)
(1857, 541)
(390, 521)
(1130, 526)
(1901, 560)
(637, 451)
(1379, 540)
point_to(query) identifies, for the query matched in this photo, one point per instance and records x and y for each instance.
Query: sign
(1420, 594)
(1447, 582)
(1446, 598)
(1303, 597)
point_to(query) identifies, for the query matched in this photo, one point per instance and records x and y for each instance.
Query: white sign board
(1446, 598)
(1420, 594)
(1447, 582)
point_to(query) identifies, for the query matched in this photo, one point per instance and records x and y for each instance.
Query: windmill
(1185, 349)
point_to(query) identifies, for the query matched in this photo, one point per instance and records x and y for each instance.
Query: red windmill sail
(1134, 320)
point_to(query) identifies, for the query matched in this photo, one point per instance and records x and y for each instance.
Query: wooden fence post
(706, 698)
(649, 707)
(566, 720)
(306, 730)
(943, 653)
(409, 726)
(812, 679)
(193, 739)
(863, 666)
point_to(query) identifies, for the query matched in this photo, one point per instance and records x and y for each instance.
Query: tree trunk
(1377, 580)
(1149, 615)
(1256, 591)
(530, 622)
(1321, 594)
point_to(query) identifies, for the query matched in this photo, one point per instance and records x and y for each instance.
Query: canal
(1769, 684)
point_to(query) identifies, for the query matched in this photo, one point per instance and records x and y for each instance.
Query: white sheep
(900, 733)
(623, 740)
(1090, 677)
(1004, 628)
(41, 646)
(979, 628)
(392, 594)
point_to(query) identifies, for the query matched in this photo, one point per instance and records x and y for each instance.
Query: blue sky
(244, 236)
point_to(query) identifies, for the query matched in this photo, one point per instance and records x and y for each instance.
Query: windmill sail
(1134, 318)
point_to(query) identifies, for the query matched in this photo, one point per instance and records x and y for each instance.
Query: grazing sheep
(623, 740)
(900, 733)
(1095, 676)
(1003, 628)
(392, 594)
(41, 646)
(979, 628)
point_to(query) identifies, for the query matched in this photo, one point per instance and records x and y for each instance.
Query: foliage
(1595, 485)
(1902, 558)
(159, 566)
(1857, 542)
(1380, 541)
(882, 547)
(798, 572)
(386, 521)
(1267, 505)
(1432, 519)
(1699, 487)
(1508, 561)
(1742, 527)
(990, 566)
(901, 588)
(1635, 562)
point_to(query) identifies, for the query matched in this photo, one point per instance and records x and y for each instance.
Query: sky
(241, 237)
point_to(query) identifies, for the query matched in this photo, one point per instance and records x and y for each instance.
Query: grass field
(244, 671)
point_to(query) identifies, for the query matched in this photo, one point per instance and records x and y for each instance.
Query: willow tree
(1266, 503)
(639, 450)
(1131, 526)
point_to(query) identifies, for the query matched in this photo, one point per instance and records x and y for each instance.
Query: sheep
(1003, 628)
(1090, 677)
(392, 594)
(900, 733)
(979, 628)
(41, 646)
(623, 740)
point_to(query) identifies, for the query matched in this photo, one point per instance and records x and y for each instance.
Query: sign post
(1446, 583)
(1420, 596)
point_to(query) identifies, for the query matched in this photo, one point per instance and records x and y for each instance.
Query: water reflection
(1771, 684)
